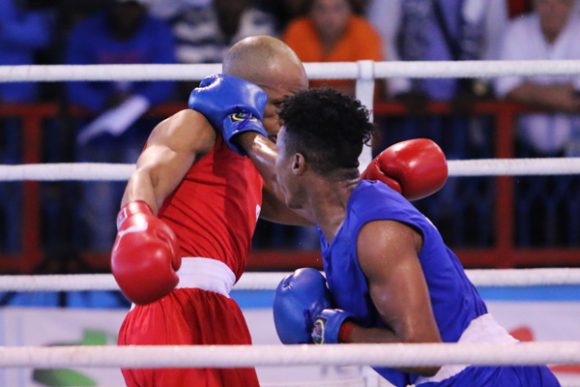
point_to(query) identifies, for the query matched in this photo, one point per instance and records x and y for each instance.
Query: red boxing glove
(416, 168)
(144, 257)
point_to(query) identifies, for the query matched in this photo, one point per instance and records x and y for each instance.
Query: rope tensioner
(387, 355)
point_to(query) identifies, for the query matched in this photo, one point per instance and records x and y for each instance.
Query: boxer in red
(190, 209)
(187, 219)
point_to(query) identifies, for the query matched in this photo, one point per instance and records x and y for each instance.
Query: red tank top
(214, 210)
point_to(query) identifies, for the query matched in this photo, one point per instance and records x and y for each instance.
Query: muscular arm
(174, 144)
(388, 255)
(263, 154)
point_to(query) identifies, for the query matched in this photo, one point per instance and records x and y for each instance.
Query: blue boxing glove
(327, 326)
(232, 106)
(302, 309)
(299, 299)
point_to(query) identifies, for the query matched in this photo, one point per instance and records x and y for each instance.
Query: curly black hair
(327, 127)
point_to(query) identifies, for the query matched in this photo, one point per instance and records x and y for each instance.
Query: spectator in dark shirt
(205, 31)
(23, 32)
(284, 10)
(124, 33)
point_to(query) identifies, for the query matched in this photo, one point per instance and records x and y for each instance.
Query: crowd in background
(115, 128)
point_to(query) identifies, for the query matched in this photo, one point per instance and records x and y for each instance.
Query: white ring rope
(118, 172)
(515, 167)
(391, 355)
(66, 171)
(315, 70)
(387, 355)
(269, 281)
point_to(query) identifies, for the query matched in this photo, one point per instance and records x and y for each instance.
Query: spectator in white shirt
(550, 32)
(437, 30)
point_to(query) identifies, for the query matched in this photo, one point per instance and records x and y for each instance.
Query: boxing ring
(557, 353)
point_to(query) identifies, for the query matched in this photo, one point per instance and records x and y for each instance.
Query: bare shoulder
(186, 130)
(386, 241)
(389, 232)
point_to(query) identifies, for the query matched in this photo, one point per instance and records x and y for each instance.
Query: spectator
(438, 30)
(23, 31)
(550, 32)
(169, 9)
(204, 32)
(124, 33)
(330, 32)
(545, 206)
(284, 10)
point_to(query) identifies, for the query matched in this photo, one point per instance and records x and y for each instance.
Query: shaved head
(263, 60)
(272, 65)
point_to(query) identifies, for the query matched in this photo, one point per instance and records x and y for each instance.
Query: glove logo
(318, 331)
(242, 116)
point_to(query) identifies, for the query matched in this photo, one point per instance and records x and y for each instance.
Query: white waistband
(481, 329)
(207, 274)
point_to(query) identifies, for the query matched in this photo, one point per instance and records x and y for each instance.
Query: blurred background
(68, 227)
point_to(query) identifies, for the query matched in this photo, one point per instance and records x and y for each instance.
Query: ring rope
(386, 355)
(314, 70)
(269, 281)
(66, 171)
(392, 355)
(118, 172)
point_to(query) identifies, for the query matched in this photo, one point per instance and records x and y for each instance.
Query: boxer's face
(289, 167)
(553, 15)
(278, 89)
(330, 18)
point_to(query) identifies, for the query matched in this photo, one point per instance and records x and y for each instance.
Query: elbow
(427, 371)
(420, 336)
(423, 371)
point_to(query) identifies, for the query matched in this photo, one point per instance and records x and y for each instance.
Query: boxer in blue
(390, 278)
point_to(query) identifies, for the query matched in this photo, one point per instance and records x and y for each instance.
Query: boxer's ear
(298, 164)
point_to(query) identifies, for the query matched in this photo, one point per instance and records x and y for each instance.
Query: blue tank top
(454, 299)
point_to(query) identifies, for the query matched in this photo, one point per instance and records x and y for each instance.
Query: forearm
(263, 153)
(362, 335)
(159, 172)
(545, 96)
(172, 148)
(527, 92)
(141, 187)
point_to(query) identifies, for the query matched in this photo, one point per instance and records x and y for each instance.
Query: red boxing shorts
(189, 316)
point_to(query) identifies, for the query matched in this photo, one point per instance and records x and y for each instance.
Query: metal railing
(502, 254)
